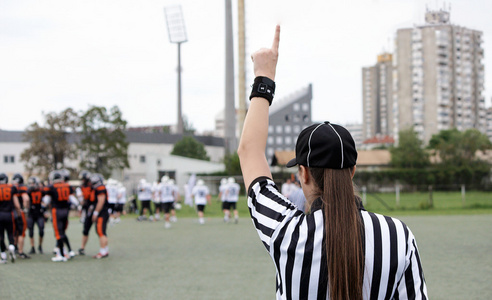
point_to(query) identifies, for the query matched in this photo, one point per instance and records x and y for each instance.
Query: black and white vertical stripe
(294, 240)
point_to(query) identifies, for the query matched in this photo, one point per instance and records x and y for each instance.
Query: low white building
(149, 156)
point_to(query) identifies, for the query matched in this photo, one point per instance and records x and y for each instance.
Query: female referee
(337, 250)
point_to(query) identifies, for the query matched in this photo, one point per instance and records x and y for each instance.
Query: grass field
(227, 261)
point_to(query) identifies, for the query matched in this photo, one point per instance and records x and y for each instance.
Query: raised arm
(251, 148)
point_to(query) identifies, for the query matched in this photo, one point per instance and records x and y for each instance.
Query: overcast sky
(56, 54)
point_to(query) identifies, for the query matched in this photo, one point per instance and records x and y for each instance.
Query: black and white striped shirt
(294, 241)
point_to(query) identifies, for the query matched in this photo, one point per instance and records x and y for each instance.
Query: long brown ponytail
(343, 237)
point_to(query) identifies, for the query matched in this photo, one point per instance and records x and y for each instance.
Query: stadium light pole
(177, 35)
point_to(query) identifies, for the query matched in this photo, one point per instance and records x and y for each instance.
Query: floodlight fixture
(175, 24)
(177, 35)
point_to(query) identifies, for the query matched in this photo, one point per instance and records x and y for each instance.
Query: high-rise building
(355, 130)
(489, 123)
(438, 77)
(377, 98)
(288, 117)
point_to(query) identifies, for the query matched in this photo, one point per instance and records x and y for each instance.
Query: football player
(36, 212)
(20, 219)
(8, 203)
(100, 215)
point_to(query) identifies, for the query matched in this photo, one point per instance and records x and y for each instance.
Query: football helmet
(33, 181)
(96, 179)
(84, 175)
(55, 176)
(66, 174)
(3, 178)
(17, 178)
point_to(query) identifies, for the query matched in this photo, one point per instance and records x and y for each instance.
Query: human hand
(265, 59)
(94, 216)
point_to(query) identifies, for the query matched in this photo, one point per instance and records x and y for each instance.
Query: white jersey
(79, 194)
(112, 193)
(288, 188)
(167, 192)
(155, 193)
(222, 191)
(144, 192)
(232, 192)
(122, 195)
(200, 192)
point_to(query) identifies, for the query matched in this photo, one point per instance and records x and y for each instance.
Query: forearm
(251, 149)
(100, 203)
(16, 203)
(25, 200)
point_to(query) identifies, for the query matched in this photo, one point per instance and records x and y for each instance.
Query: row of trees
(450, 158)
(97, 136)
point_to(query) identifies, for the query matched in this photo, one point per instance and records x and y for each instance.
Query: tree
(103, 141)
(459, 148)
(188, 126)
(232, 165)
(50, 145)
(409, 153)
(457, 151)
(190, 147)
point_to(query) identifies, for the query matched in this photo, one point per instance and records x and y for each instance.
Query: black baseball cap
(325, 145)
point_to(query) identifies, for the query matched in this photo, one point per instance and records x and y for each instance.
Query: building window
(305, 106)
(142, 158)
(279, 140)
(279, 128)
(288, 129)
(296, 107)
(287, 118)
(9, 159)
(288, 140)
(297, 129)
(270, 140)
(270, 129)
(270, 152)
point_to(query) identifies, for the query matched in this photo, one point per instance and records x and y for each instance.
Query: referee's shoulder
(260, 183)
(380, 218)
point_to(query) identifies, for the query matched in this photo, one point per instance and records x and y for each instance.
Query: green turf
(411, 204)
(227, 261)
(444, 203)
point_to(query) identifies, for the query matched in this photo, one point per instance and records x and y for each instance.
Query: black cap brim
(291, 163)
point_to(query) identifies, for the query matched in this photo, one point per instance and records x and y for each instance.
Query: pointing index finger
(276, 38)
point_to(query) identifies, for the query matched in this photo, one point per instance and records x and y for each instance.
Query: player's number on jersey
(36, 197)
(5, 194)
(63, 193)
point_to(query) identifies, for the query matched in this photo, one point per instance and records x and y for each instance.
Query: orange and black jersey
(21, 189)
(35, 197)
(98, 191)
(7, 192)
(87, 194)
(60, 193)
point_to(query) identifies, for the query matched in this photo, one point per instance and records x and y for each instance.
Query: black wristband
(263, 87)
